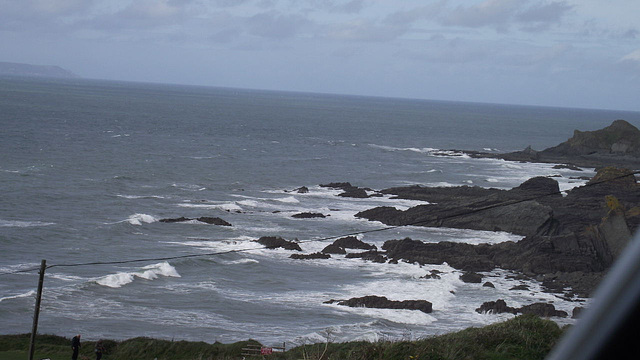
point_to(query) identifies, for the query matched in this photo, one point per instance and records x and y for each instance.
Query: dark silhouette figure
(75, 346)
(99, 349)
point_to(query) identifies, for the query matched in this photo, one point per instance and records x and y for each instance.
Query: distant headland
(28, 70)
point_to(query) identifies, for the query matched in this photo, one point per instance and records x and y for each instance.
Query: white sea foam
(138, 219)
(18, 296)
(65, 277)
(149, 272)
(135, 197)
(188, 187)
(288, 199)
(426, 150)
(23, 224)
(242, 262)
(226, 206)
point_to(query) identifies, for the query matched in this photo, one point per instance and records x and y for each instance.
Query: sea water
(88, 168)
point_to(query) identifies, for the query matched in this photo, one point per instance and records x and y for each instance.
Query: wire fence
(436, 219)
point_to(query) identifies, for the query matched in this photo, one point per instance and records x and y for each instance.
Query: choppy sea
(88, 168)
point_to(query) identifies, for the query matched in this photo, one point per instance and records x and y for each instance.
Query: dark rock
(496, 307)
(371, 255)
(539, 309)
(337, 185)
(310, 256)
(355, 193)
(542, 310)
(538, 186)
(520, 287)
(352, 242)
(334, 249)
(273, 242)
(302, 190)
(381, 302)
(204, 219)
(471, 277)
(348, 189)
(308, 215)
(434, 274)
(174, 220)
(213, 221)
(489, 284)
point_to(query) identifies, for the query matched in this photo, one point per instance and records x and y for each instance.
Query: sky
(569, 53)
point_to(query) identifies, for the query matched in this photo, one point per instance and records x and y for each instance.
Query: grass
(525, 337)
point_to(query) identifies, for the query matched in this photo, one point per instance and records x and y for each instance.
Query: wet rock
(434, 274)
(348, 189)
(213, 221)
(174, 220)
(308, 215)
(371, 255)
(489, 284)
(381, 302)
(352, 242)
(496, 307)
(273, 242)
(334, 249)
(471, 277)
(204, 219)
(542, 310)
(539, 309)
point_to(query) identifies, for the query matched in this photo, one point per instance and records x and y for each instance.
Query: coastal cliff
(615, 145)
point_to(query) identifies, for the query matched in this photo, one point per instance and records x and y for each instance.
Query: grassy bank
(525, 337)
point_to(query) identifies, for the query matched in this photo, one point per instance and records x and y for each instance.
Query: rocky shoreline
(570, 239)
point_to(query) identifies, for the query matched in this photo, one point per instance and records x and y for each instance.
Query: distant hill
(18, 69)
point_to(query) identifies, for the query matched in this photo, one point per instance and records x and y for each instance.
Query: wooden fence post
(36, 312)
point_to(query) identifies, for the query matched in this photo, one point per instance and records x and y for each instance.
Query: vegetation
(525, 337)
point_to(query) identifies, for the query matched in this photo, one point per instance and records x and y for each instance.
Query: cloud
(501, 14)
(35, 15)
(549, 12)
(365, 30)
(495, 13)
(275, 25)
(633, 56)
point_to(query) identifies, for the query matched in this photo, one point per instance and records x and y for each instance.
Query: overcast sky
(573, 53)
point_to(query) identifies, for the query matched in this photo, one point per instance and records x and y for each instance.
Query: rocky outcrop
(381, 302)
(308, 215)
(371, 255)
(349, 190)
(617, 144)
(569, 241)
(516, 211)
(349, 242)
(619, 138)
(204, 219)
(274, 242)
(539, 309)
(471, 277)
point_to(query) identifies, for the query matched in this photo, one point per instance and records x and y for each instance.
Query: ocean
(88, 168)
